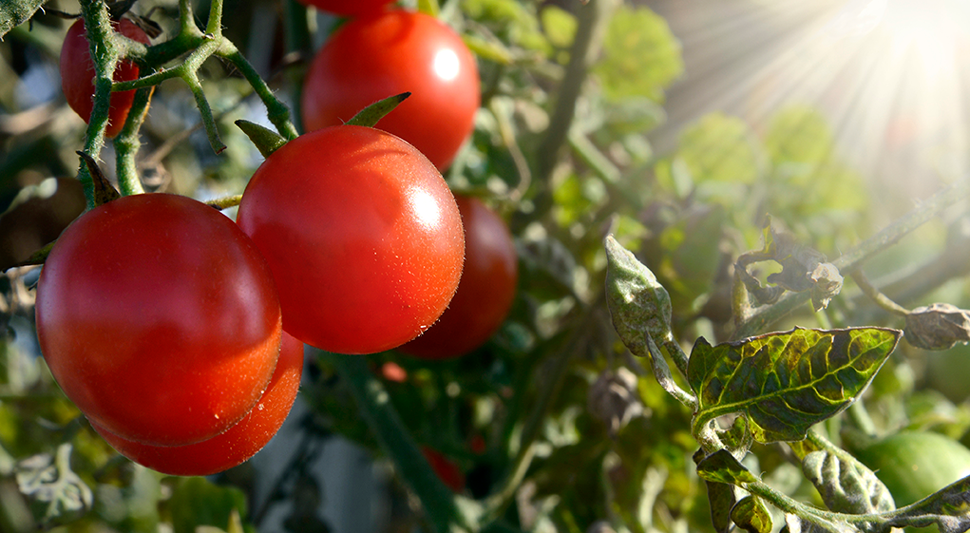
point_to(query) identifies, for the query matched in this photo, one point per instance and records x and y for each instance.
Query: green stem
(762, 318)
(875, 295)
(591, 18)
(128, 142)
(277, 112)
(105, 54)
(208, 120)
(445, 510)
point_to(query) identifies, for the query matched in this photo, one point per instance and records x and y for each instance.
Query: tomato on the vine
(485, 292)
(159, 319)
(240, 442)
(349, 8)
(77, 74)
(372, 58)
(914, 465)
(362, 235)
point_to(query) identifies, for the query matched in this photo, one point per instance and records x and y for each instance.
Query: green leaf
(266, 140)
(948, 508)
(721, 152)
(786, 382)
(15, 12)
(751, 514)
(845, 484)
(372, 114)
(720, 496)
(722, 467)
(49, 480)
(640, 55)
(638, 304)
(197, 502)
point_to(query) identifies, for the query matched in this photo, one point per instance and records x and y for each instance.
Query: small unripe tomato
(485, 292)
(77, 74)
(240, 442)
(372, 58)
(362, 234)
(914, 465)
(159, 319)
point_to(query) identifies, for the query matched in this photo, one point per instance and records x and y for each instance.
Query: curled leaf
(939, 326)
(846, 485)
(613, 399)
(751, 515)
(638, 303)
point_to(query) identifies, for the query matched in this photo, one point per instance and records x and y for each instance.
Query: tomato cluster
(179, 332)
(159, 319)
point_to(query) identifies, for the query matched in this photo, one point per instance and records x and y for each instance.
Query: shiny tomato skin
(348, 8)
(240, 442)
(372, 58)
(362, 234)
(158, 317)
(485, 292)
(77, 74)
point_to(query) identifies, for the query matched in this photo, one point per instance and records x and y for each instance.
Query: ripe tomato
(240, 442)
(914, 465)
(446, 469)
(77, 74)
(348, 8)
(159, 319)
(485, 292)
(373, 58)
(362, 235)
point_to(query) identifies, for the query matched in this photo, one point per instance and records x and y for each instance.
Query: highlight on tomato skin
(372, 58)
(77, 74)
(362, 234)
(159, 319)
(485, 292)
(240, 442)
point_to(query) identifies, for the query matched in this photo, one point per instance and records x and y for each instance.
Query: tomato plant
(240, 442)
(355, 8)
(159, 319)
(485, 292)
(362, 234)
(77, 74)
(913, 465)
(373, 58)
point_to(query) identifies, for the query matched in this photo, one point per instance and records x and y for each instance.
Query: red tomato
(485, 292)
(159, 319)
(362, 234)
(240, 442)
(77, 74)
(447, 471)
(348, 8)
(373, 58)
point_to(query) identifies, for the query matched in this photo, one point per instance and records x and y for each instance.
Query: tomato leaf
(722, 467)
(266, 140)
(845, 484)
(751, 514)
(786, 382)
(948, 508)
(197, 502)
(639, 305)
(50, 480)
(372, 114)
(16, 12)
(721, 496)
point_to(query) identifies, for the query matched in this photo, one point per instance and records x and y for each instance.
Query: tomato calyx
(372, 114)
